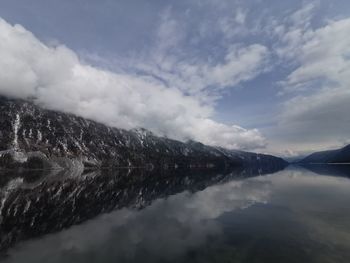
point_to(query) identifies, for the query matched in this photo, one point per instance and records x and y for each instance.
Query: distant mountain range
(333, 156)
(37, 138)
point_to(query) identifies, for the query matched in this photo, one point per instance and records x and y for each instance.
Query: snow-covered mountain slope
(33, 137)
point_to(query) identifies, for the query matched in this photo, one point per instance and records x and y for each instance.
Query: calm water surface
(296, 215)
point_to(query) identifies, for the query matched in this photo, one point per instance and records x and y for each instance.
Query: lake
(300, 214)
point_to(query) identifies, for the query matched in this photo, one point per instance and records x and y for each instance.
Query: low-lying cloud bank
(55, 78)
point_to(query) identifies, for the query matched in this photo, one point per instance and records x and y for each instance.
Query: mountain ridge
(37, 138)
(341, 155)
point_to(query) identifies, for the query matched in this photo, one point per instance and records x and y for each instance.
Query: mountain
(333, 156)
(34, 137)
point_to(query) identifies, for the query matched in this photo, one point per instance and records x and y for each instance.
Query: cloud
(293, 30)
(55, 77)
(206, 80)
(320, 110)
(185, 60)
(325, 54)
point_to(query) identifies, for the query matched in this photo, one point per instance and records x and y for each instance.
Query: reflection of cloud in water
(167, 228)
(321, 204)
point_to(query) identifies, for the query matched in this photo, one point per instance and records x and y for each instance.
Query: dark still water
(296, 215)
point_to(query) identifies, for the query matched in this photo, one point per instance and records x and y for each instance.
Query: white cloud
(325, 54)
(240, 16)
(57, 79)
(207, 80)
(169, 33)
(202, 75)
(294, 30)
(320, 111)
(302, 17)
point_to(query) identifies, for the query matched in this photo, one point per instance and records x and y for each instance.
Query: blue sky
(256, 75)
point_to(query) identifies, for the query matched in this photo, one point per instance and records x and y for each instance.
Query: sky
(269, 76)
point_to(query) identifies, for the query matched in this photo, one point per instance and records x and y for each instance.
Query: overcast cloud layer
(282, 70)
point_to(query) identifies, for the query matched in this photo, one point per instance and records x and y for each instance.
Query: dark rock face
(32, 137)
(334, 156)
(37, 202)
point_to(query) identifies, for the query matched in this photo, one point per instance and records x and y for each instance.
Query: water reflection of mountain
(341, 170)
(37, 202)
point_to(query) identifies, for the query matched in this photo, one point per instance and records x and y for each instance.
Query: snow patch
(81, 135)
(16, 126)
(40, 136)
(26, 208)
